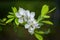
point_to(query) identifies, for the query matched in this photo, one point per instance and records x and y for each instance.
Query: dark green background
(32, 5)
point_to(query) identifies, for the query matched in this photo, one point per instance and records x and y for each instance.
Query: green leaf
(52, 9)
(39, 19)
(10, 16)
(10, 13)
(40, 32)
(48, 22)
(14, 9)
(44, 10)
(43, 32)
(16, 21)
(3, 20)
(46, 16)
(39, 37)
(41, 24)
(10, 20)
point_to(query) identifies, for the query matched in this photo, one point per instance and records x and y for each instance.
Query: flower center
(22, 16)
(32, 25)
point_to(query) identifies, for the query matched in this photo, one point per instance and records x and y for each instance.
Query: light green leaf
(46, 16)
(10, 13)
(10, 16)
(48, 22)
(16, 21)
(44, 10)
(39, 37)
(10, 20)
(3, 20)
(14, 9)
(39, 19)
(40, 32)
(52, 9)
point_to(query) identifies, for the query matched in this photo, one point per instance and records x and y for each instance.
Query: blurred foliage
(40, 19)
(39, 37)
(30, 5)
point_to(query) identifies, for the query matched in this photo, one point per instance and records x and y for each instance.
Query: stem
(39, 20)
(52, 10)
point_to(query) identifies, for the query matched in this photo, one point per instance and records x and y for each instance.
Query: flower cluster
(28, 17)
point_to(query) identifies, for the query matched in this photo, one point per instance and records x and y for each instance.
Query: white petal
(25, 19)
(34, 21)
(21, 11)
(18, 15)
(37, 25)
(32, 14)
(28, 13)
(27, 26)
(20, 20)
(30, 21)
(31, 31)
(32, 28)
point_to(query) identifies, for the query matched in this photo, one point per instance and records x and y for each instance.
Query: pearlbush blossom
(31, 26)
(21, 15)
(28, 17)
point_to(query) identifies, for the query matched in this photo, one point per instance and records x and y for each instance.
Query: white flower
(21, 15)
(24, 15)
(31, 30)
(20, 12)
(31, 26)
(30, 15)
